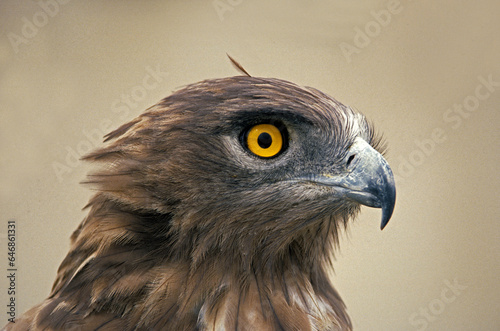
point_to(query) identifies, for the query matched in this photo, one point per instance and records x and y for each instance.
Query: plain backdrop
(427, 73)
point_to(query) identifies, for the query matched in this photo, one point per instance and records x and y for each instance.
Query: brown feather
(237, 65)
(189, 232)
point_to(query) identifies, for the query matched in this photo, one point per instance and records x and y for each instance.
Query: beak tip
(383, 224)
(388, 208)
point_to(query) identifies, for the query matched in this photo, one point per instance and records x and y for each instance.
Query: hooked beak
(368, 179)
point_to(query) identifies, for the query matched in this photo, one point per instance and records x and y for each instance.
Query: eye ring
(265, 140)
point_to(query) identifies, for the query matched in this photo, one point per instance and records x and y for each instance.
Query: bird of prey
(219, 208)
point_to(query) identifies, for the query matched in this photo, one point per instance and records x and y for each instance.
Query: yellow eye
(264, 140)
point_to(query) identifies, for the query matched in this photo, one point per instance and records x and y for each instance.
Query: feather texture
(189, 231)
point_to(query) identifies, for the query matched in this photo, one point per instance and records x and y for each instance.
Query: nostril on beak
(349, 160)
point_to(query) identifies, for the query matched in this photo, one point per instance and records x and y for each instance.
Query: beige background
(67, 76)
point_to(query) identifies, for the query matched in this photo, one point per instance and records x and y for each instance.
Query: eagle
(220, 208)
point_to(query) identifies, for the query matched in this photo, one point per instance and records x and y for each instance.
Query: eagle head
(248, 166)
(219, 208)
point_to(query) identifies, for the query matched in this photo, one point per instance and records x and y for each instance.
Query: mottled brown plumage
(189, 230)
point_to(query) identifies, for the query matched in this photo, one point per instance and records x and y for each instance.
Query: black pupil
(265, 140)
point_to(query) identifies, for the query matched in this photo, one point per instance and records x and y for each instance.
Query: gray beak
(368, 179)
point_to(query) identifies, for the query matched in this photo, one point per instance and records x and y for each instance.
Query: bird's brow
(270, 115)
